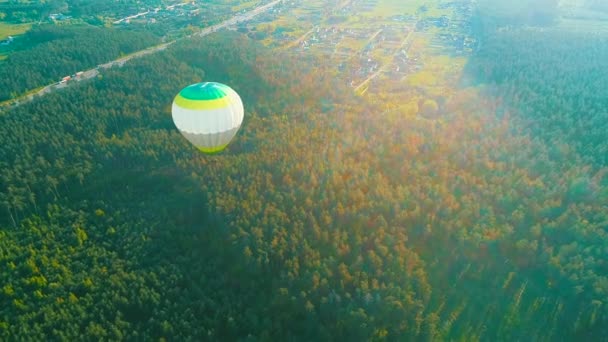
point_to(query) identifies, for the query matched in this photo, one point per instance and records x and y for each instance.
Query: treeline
(329, 217)
(556, 80)
(28, 11)
(491, 15)
(550, 86)
(90, 173)
(83, 8)
(53, 52)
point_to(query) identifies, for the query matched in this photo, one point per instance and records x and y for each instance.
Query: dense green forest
(19, 11)
(28, 11)
(555, 79)
(320, 222)
(550, 86)
(91, 11)
(491, 15)
(106, 8)
(51, 52)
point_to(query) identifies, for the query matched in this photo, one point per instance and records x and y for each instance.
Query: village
(176, 14)
(366, 41)
(196, 13)
(366, 46)
(153, 15)
(7, 41)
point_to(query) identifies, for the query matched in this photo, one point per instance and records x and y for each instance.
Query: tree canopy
(354, 222)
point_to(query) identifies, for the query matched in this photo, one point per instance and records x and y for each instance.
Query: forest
(18, 11)
(555, 80)
(345, 222)
(47, 53)
(83, 8)
(26, 11)
(491, 14)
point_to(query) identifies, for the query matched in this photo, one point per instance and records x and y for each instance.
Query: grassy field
(244, 6)
(388, 8)
(12, 29)
(351, 44)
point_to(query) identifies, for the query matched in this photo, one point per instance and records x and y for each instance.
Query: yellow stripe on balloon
(212, 150)
(202, 104)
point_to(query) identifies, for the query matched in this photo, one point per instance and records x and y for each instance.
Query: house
(7, 41)
(58, 16)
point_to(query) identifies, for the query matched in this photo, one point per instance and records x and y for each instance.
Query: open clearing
(12, 29)
(388, 8)
(244, 6)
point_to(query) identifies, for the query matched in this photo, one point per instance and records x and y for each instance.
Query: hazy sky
(517, 11)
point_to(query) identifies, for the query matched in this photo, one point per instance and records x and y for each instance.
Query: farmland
(7, 29)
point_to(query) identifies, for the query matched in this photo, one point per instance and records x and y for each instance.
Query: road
(239, 18)
(88, 74)
(372, 37)
(300, 39)
(384, 67)
(355, 53)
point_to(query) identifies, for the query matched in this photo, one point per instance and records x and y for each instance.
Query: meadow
(7, 29)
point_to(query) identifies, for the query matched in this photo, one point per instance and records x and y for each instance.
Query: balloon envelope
(208, 114)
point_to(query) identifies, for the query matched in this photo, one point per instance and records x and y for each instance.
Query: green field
(578, 25)
(388, 8)
(244, 6)
(12, 30)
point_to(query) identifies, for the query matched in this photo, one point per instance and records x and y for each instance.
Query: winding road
(385, 66)
(88, 74)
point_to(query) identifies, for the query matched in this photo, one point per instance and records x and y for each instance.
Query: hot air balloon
(208, 114)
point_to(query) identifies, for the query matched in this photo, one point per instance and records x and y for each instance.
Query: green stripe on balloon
(205, 91)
